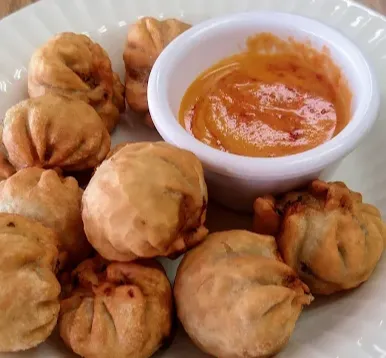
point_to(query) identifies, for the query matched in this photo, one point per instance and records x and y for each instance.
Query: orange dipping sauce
(275, 99)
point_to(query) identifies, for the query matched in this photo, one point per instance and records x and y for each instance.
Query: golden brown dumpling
(117, 310)
(55, 132)
(326, 233)
(73, 65)
(29, 294)
(236, 298)
(145, 41)
(44, 196)
(147, 200)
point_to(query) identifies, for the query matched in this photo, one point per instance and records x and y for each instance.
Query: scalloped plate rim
(334, 336)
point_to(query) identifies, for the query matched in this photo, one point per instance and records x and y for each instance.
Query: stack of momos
(73, 65)
(29, 294)
(326, 233)
(63, 128)
(145, 41)
(236, 298)
(117, 309)
(147, 200)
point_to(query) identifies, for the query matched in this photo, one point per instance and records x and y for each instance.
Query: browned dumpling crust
(326, 233)
(146, 39)
(6, 168)
(148, 199)
(29, 294)
(236, 298)
(117, 309)
(55, 132)
(54, 201)
(73, 65)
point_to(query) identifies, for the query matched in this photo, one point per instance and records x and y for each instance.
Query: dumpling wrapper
(117, 309)
(44, 196)
(73, 65)
(55, 132)
(29, 294)
(145, 41)
(236, 298)
(148, 199)
(6, 168)
(326, 233)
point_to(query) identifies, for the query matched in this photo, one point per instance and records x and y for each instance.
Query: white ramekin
(236, 180)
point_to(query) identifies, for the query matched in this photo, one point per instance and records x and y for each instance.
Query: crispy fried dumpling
(148, 199)
(236, 298)
(73, 65)
(145, 41)
(55, 132)
(117, 310)
(29, 294)
(44, 196)
(326, 233)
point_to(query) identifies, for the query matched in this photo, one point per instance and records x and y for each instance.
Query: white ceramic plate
(350, 326)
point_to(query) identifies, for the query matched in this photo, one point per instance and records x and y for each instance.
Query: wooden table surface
(9, 6)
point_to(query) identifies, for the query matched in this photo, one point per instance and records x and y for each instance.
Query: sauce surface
(276, 98)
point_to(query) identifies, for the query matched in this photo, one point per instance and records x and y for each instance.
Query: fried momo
(236, 298)
(147, 200)
(146, 40)
(117, 310)
(55, 132)
(73, 65)
(44, 196)
(29, 294)
(326, 233)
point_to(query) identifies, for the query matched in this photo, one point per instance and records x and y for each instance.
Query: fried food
(55, 132)
(73, 65)
(29, 294)
(326, 233)
(146, 40)
(117, 310)
(236, 298)
(54, 201)
(148, 199)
